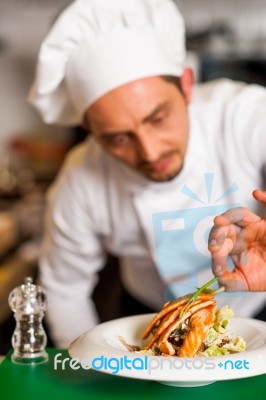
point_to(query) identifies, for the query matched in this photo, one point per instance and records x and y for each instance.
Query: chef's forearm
(70, 310)
(68, 319)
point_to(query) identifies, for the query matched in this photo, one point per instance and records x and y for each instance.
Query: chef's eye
(158, 119)
(119, 140)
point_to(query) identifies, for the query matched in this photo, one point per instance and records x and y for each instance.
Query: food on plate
(191, 326)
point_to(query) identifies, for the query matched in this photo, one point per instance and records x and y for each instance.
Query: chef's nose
(149, 146)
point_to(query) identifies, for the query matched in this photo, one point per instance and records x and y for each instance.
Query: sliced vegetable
(223, 316)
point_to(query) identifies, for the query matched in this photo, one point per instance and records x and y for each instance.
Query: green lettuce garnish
(211, 336)
(214, 351)
(220, 342)
(236, 345)
(222, 318)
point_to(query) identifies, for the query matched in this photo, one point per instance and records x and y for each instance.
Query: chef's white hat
(97, 45)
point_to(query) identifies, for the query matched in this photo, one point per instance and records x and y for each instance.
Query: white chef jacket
(97, 204)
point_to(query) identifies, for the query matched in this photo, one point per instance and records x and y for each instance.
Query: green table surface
(42, 382)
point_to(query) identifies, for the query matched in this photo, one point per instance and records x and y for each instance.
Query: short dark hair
(175, 80)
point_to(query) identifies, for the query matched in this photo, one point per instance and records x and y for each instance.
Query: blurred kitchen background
(225, 39)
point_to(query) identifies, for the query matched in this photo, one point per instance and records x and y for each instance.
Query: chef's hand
(241, 234)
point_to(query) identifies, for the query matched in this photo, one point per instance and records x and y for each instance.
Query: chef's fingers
(239, 216)
(220, 257)
(233, 281)
(218, 235)
(260, 196)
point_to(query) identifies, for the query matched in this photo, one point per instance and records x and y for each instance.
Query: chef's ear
(85, 124)
(187, 81)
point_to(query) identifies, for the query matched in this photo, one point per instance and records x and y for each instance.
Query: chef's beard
(165, 178)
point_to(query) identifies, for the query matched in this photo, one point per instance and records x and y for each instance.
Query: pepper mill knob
(28, 303)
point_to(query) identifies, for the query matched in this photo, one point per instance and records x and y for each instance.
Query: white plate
(101, 350)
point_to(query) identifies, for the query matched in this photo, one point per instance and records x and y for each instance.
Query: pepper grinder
(28, 302)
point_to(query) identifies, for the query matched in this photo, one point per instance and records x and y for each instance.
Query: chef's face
(145, 125)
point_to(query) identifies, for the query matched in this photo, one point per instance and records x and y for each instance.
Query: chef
(163, 158)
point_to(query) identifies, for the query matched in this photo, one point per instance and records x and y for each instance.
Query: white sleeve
(250, 119)
(71, 256)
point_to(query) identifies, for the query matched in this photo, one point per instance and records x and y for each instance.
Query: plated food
(192, 326)
(107, 354)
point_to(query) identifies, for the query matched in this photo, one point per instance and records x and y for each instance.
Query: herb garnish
(195, 296)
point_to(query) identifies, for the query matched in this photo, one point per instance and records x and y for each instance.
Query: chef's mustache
(148, 164)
